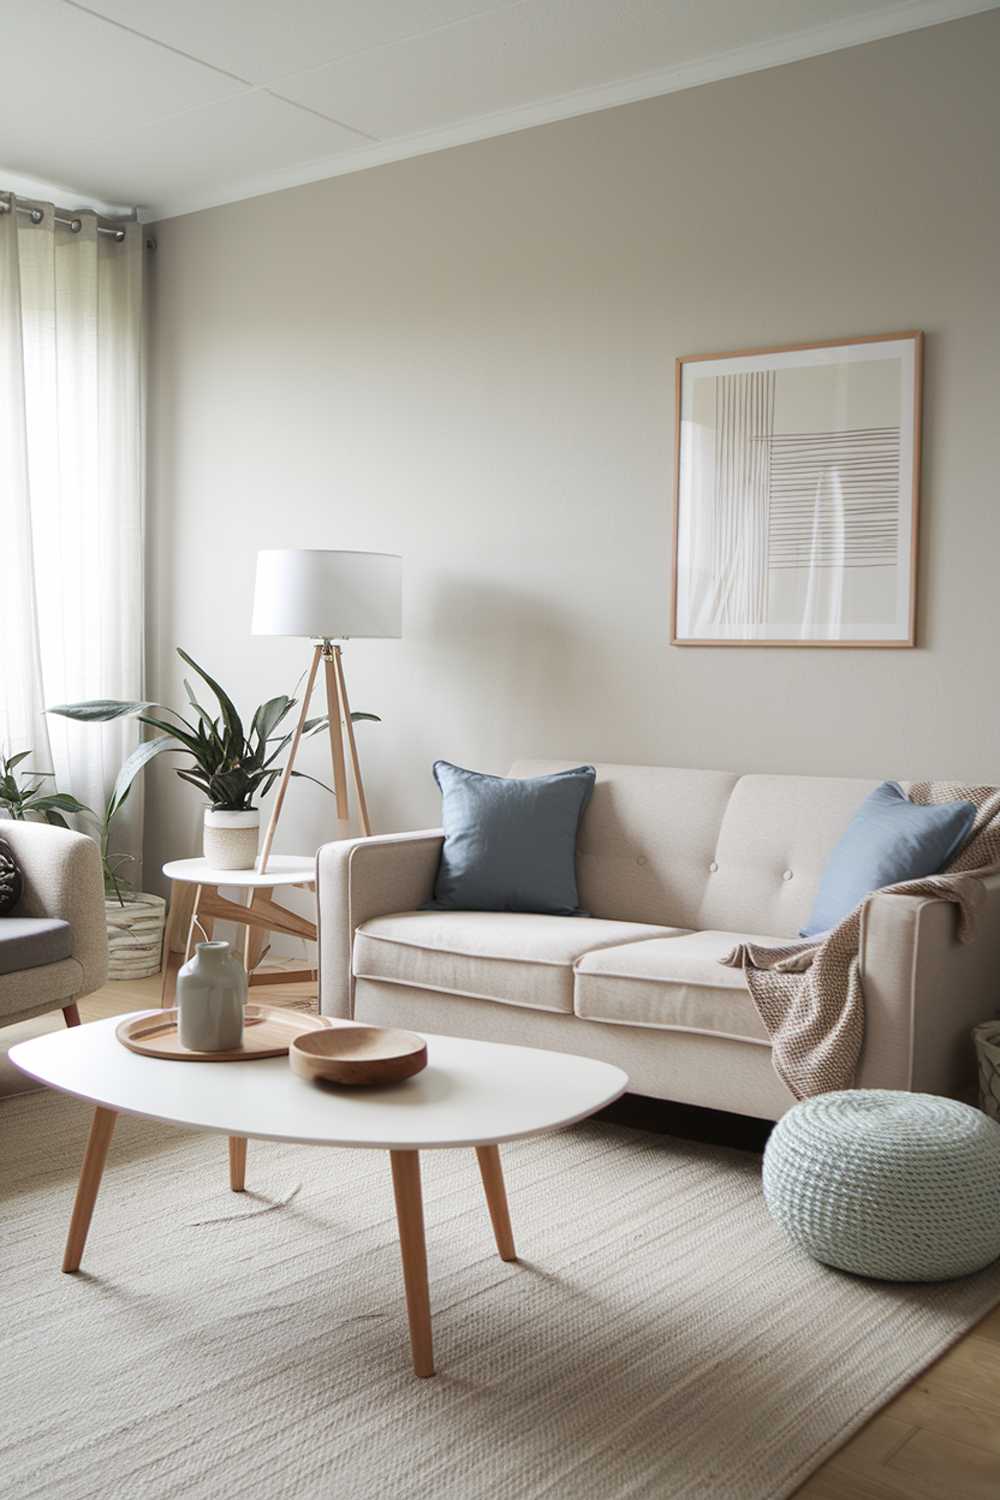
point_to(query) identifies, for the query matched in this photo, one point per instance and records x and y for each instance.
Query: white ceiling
(175, 105)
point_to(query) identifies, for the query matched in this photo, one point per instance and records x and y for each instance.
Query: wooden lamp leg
(334, 709)
(293, 749)
(101, 1131)
(413, 1247)
(366, 826)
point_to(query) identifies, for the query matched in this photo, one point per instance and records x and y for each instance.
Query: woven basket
(135, 935)
(987, 1040)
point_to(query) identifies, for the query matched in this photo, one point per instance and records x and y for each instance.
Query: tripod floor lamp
(326, 597)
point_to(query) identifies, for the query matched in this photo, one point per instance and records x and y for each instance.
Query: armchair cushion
(30, 942)
(11, 883)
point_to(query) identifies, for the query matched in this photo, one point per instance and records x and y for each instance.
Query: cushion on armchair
(31, 942)
(11, 881)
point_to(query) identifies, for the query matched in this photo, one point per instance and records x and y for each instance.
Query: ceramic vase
(230, 839)
(211, 994)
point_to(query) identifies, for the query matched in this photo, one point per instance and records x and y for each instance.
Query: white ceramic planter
(230, 840)
(135, 935)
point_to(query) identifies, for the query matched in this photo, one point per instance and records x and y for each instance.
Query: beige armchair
(54, 945)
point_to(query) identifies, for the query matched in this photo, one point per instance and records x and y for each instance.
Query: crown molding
(894, 20)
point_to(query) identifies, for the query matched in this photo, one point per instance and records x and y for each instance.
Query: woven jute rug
(660, 1337)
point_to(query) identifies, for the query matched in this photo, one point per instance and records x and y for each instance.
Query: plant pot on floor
(135, 935)
(230, 839)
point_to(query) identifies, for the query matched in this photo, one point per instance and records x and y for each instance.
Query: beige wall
(468, 358)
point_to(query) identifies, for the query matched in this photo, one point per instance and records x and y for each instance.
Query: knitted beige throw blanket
(808, 992)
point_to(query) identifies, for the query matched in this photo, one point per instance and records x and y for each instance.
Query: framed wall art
(796, 494)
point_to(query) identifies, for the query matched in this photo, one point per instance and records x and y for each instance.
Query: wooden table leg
(496, 1199)
(257, 939)
(410, 1217)
(101, 1130)
(182, 895)
(237, 1162)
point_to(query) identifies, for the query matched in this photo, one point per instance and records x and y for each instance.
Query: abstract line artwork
(797, 477)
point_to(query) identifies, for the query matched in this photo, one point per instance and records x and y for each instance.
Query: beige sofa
(674, 866)
(54, 945)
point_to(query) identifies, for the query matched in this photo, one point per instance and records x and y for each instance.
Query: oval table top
(470, 1093)
(282, 869)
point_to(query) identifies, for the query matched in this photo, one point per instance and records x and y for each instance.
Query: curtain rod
(73, 223)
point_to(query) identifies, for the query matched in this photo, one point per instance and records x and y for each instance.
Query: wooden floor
(938, 1440)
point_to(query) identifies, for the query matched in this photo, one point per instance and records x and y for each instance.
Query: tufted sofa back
(707, 849)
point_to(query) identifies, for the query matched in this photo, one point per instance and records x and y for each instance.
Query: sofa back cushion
(646, 840)
(707, 849)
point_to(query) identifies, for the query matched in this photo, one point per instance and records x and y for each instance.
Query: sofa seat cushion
(513, 957)
(672, 983)
(30, 942)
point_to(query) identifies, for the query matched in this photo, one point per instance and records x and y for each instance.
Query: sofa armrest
(63, 878)
(925, 990)
(357, 879)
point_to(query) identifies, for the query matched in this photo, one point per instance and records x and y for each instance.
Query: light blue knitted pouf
(904, 1187)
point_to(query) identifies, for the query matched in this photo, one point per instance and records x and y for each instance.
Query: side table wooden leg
(101, 1131)
(182, 896)
(413, 1247)
(237, 1162)
(257, 940)
(496, 1199)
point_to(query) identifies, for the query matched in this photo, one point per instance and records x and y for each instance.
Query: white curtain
(71, 492)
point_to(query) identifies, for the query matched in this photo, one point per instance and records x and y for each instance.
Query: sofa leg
(72, 1014)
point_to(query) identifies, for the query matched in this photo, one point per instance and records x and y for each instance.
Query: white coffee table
(471, 1094)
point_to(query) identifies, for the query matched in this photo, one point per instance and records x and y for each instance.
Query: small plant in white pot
(233, 768)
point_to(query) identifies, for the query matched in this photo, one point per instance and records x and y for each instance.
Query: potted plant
(24, 802)
(231, 767)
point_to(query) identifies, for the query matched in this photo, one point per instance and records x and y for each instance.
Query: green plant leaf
(267, 718)
(304, 776)
(61, 801)
(98, 710)
(15, 760)
(372, 718)
(188, 776)
(56, 819)
(231, 719)
(140, 757)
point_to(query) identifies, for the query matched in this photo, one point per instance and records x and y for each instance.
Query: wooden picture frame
(796, 494)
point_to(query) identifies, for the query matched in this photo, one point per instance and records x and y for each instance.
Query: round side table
(196, 905)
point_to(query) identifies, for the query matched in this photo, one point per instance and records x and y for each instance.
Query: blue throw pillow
(510, 844)
(888, 840)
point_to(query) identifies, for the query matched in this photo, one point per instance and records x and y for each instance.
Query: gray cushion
(30, 942)
(510, 844)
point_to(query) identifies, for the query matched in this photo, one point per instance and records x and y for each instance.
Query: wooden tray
(268, 1031)
(358, 1055)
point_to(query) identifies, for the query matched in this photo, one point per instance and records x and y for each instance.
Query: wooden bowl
(358, 1055)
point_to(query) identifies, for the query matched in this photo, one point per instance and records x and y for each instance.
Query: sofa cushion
(30, 942)
(513, 957)
(672, 983)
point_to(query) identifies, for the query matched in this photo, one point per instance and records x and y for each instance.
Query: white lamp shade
(327, 596)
